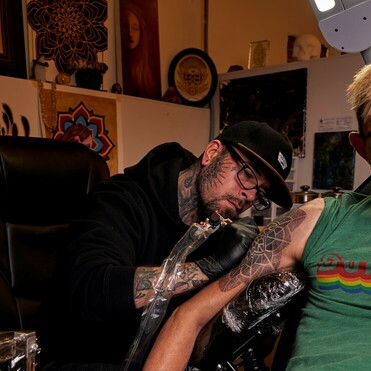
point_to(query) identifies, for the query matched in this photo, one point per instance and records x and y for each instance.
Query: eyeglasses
(248, 180)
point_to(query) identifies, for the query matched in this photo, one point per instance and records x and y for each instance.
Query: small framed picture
(258, 53)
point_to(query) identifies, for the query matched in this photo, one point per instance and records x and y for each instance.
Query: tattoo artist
(130, 223)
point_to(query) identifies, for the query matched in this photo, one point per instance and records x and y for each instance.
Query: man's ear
(358, 142)
(213, 149)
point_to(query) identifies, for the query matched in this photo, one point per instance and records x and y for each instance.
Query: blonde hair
(359, 96)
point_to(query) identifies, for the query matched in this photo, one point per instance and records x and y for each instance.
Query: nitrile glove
(231, 244)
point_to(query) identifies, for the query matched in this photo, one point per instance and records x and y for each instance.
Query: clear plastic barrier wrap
(154, 312)
(263, 297)
(243, 334)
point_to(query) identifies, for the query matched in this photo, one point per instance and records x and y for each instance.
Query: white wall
(147, 123)
(141, 123)
(233, 24)
(180, 27)
(328, 80)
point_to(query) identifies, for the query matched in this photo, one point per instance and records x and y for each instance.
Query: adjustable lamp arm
(346, 25)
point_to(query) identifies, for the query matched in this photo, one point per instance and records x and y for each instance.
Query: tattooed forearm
(188, 278)
(264, 256)
(144, 280)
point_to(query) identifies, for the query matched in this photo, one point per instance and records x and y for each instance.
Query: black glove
(230, 245)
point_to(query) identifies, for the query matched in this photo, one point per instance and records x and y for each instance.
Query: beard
(214, 205)
(208, 206)
(208, 184)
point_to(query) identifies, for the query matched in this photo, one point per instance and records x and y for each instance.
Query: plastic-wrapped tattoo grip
(155, 310)
(240, 333)
(263, 297)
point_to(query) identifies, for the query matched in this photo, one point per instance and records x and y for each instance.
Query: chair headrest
(41, 178)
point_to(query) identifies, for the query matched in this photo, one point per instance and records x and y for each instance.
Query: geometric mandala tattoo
(265, 252)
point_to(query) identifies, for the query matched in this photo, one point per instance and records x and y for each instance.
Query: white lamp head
(324, 5)
(345, 24)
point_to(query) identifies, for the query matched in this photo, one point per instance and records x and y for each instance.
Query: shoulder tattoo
(265, 253)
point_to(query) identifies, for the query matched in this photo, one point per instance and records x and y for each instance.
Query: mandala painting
(81, 118)
(68, 30)
(87, 127)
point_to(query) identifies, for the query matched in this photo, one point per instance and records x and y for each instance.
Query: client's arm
(280, 246)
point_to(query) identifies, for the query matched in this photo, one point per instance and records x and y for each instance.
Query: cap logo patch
(282, 160)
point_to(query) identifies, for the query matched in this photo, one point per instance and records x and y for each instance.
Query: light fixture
(324, 5)
(345, 24)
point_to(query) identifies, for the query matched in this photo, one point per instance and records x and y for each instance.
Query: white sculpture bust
(306, 47)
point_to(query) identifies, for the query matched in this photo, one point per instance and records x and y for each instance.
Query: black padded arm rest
(35, 169)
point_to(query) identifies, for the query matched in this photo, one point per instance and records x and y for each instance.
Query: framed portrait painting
(258, 53)
(12, 46)
(140, 48)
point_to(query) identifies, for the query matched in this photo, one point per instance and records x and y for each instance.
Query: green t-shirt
(335, 329)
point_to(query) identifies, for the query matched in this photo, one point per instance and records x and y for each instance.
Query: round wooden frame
(193, 75)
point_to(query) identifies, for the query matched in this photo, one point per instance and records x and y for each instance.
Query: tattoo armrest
(245, 331)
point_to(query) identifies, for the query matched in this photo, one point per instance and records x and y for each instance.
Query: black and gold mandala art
(68, 30)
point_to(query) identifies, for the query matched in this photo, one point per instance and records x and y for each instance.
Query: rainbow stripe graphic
(333, 273)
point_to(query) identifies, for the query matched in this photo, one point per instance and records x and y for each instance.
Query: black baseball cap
(269, 149)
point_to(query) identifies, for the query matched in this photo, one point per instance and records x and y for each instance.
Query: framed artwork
(278, 98)
(12, 47)
(258, 53)
(88, 119)
(140, 48)
(57, 42)
(193, 75)
(333, 161)
(2, 50)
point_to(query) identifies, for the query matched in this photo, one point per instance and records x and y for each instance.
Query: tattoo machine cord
(155, 310)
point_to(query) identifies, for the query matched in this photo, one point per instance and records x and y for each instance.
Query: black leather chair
(42, 182)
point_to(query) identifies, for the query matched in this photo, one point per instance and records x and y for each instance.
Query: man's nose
(249, 194)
